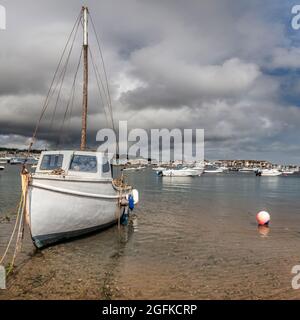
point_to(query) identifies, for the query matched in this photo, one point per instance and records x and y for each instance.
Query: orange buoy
(263, 218)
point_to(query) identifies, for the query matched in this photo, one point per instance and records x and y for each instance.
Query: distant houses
(263, 164)
(7, 154)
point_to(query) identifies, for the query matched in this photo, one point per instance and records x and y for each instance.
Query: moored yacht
(15, 161)
(183, 172)
(211, 169)
(269, 173)
(72, 192)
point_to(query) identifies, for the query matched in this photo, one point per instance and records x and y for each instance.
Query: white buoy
(263, 218)
(135, 195)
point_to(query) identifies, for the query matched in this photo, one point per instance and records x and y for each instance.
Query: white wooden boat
(72, 192)
(2, 168)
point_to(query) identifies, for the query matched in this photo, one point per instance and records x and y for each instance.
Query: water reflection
(271, 182)
(126, 231)
(134, 222)
(182, 183)
(263, 230)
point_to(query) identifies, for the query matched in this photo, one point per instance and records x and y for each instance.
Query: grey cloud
(195, 64)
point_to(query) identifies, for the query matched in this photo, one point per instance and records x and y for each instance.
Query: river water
(190, 238)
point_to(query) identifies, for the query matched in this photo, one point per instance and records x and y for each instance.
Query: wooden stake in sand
(2, 278)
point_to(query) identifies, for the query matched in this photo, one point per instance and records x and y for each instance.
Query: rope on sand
(19, 224)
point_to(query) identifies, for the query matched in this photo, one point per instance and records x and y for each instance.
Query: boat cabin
(87, 164)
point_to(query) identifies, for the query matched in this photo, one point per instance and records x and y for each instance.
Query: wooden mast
(85, 78)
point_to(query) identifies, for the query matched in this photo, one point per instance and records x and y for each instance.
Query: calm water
(192, 238)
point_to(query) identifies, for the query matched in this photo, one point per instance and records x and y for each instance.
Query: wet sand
(85, 269)
(180, 246)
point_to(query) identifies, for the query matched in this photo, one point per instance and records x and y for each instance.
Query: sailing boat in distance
(72, 192)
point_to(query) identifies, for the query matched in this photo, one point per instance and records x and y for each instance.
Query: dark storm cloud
(196, 64)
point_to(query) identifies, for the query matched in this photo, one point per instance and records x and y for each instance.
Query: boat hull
(179, 173)
(61, 210)
(270, 173)
(213, 171)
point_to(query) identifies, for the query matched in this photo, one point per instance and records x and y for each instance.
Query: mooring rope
(19, 224)
(14, 230)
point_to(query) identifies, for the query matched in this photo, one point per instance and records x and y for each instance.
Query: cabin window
(84, 164)
(105, 165)
(52, 162)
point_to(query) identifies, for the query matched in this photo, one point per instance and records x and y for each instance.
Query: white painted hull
(180, 173)
(199, 170)
(270, 173)
(288, 172)
(159, 169)
(247, 170)
(58, 210)
(214, 171)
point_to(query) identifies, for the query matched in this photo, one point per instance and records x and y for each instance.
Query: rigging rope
(99, 89)
(59, 82)
(46, 102)
(102, 59)
(106, 78)
(64, 71)
(71, 97)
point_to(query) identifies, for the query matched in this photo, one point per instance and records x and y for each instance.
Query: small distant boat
(213, 170)
(2, 168)
(184, 172)
(140, 168)
(130, 169)
(247, 170)
(134, 168)
(269, 173)
(288, 172)
(158, 169)
(15, 161)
